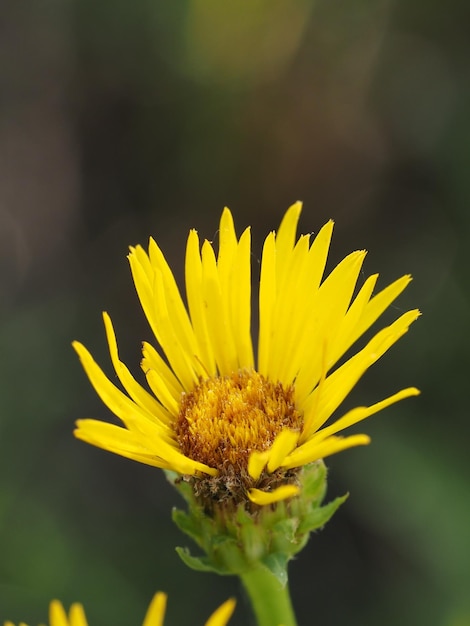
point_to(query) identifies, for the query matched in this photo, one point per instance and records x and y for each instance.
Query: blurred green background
(123, 119)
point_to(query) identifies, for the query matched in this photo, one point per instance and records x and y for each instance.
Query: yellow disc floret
(224, 419)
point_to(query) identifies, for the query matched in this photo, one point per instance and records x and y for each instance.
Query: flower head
(236, 427)
(154, 617)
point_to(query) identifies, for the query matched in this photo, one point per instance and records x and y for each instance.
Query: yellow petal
(360, 413)
(152, 361)
(122, 406)
(234, 271)
(364, 312)
(309, 272)
(77, 615)
(267, 299)
(147, 448)
(338, 385)
(285, 236)
(161, 391)
(179, 326)
(257, 463)
(318, 254)
(153, 299)
(328, 309)
(288, 315)
(283, 445)
(239, 299)
(227, 248)
(57, 615)
(156, 611)
(218, 321)
(278, 255)
(313, 449)
(178, 313)
(136, 391)
(196, 304)
(221, 616)
(310, 453)
(117, 440)
(263, 498)
(348, 328)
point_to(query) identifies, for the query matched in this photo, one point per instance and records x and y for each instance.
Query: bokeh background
(123, 119)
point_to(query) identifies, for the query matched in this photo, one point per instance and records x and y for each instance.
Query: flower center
(224, 419)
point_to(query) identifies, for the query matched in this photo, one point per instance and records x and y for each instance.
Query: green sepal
(238, 539)
(277, 565)
(319, 517)
(198, 563)
(186, 524)
(314, 482)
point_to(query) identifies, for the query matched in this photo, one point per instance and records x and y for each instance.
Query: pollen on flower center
(226, 418)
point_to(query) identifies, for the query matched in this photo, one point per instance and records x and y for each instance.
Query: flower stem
(269, 598)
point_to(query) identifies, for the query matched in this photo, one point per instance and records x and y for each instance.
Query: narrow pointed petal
(154, 303)
(364, 311)
(222, 338)
(161, 391)
(151, 450)
(104, 434)
(310, 273)
(310, 452)
(263, 498)
(267, 299)
(240, 301)
(347, 330)
(329, 308)
(57, 615)
(177, 311)
(283, 445)
(153, 361)
(338, 385)
(285, 237)
(288, 315)
(117, 402)
(227, 247)
(360, 413)
(156, 611)
(136, 391)
(221, 616)
(380, 302)
(257, 463)
(234, 271)
(196, 304)
(318, 254)
(182, 361)
(77, 615)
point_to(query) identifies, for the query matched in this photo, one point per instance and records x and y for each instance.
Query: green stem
(269, 598)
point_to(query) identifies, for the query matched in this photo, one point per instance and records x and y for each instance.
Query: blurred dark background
(123, 119)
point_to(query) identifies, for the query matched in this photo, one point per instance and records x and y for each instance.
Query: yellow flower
(235, 427)
(154, 617)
